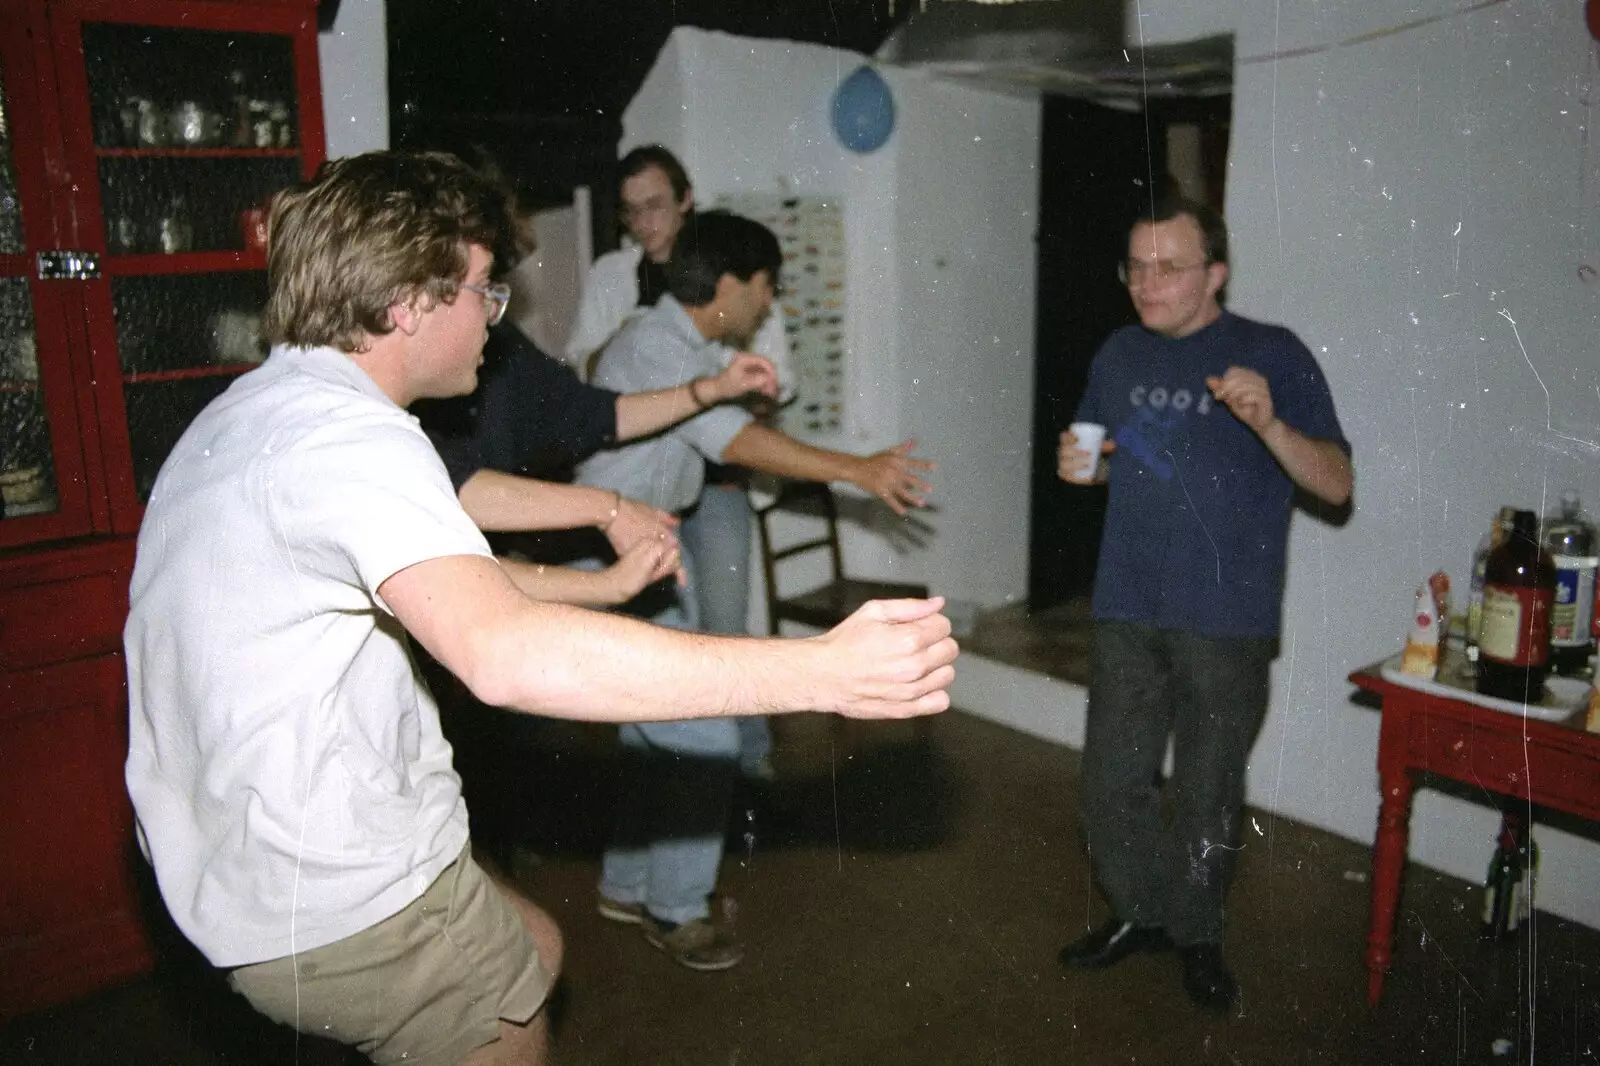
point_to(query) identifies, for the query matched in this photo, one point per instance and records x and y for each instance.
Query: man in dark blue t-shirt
(1212, 422)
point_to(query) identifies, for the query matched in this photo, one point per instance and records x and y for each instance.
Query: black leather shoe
(1206, 977)
(1113, 942)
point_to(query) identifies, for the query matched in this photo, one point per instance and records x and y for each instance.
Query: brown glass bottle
(1519, 587)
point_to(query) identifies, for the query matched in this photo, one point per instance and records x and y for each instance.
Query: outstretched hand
(892, 476)
(890, 659)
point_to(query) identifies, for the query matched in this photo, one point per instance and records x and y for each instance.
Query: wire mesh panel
(169, 324)
(194, 131)
(27, 472)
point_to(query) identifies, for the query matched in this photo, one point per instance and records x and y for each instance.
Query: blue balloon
(863, 111)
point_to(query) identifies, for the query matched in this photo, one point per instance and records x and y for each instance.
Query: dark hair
(368, 232)
(519, 198)
(646, 156)
(714, 243)
(1213, 230)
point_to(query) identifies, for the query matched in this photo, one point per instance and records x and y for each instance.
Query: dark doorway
(1098, 168)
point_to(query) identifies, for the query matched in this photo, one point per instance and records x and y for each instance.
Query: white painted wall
(546, 286)
(1419, 208)
(354, 62)
(940, 267)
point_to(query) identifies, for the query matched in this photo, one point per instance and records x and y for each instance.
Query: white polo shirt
(285, 762)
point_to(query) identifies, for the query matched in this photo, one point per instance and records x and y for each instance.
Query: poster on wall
(810, 232)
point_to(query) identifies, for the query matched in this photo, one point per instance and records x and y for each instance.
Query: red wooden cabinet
(136, 136)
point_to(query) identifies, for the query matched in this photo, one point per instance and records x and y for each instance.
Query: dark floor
(1053, 641)
(902, 901)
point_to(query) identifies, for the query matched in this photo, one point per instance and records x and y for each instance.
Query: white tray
(1563, 696)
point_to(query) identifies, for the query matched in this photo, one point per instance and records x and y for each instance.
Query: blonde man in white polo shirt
(291, 785)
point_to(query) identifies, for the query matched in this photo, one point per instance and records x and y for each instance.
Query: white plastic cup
(1089, 435)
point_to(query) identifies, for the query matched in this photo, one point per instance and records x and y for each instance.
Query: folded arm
(1318, 466)
(641, 413)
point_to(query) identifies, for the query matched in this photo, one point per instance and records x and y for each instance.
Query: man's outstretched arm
(891, 475)
(891, 659)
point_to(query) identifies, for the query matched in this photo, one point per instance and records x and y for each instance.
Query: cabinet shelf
(215, 152)
(184, 263)
(189, 373)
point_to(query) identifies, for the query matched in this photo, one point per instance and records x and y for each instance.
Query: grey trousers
(1209, 695)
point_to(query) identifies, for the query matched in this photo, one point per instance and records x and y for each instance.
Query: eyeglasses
(495, 299)
(656, 205)
(1160, 272)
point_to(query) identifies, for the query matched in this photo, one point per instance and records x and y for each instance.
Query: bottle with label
(1480, 562)
(1571, 543)
(1507, 892)
(1519, 587)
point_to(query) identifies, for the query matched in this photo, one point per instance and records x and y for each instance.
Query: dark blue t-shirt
(529, 414)
(1197, 526)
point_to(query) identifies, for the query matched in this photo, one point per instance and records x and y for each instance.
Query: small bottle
(1501, 889)
(239, 94)
(1504, 889)
(175, 232)
(1571, 543)
(1528, 860)
(1480, 561)
(1519, 586)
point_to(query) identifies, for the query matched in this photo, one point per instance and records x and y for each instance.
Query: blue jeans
(1209, 695)
(716, 534)
(672, 801)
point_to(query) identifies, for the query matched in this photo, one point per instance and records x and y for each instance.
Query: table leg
(1388, 861)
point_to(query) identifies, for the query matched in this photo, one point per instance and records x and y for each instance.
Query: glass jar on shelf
(176, 230)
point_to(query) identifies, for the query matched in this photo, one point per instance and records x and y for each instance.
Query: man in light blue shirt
(664, 345)
(661, 867)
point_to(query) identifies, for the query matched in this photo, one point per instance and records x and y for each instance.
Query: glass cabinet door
(188, 132)
(42, 477)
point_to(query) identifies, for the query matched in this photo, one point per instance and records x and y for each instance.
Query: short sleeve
(534, 410)
(711, 433)
(365, 499)
(772, 341)
(609, 295)
(1301, 395)
(461, 455)
(1091, 408)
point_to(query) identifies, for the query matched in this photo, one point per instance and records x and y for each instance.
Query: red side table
(1554, 764)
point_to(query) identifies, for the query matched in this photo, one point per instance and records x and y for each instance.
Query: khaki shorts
(425, 987)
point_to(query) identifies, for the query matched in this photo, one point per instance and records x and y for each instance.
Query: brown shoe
(699, 944)
(614, 910)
